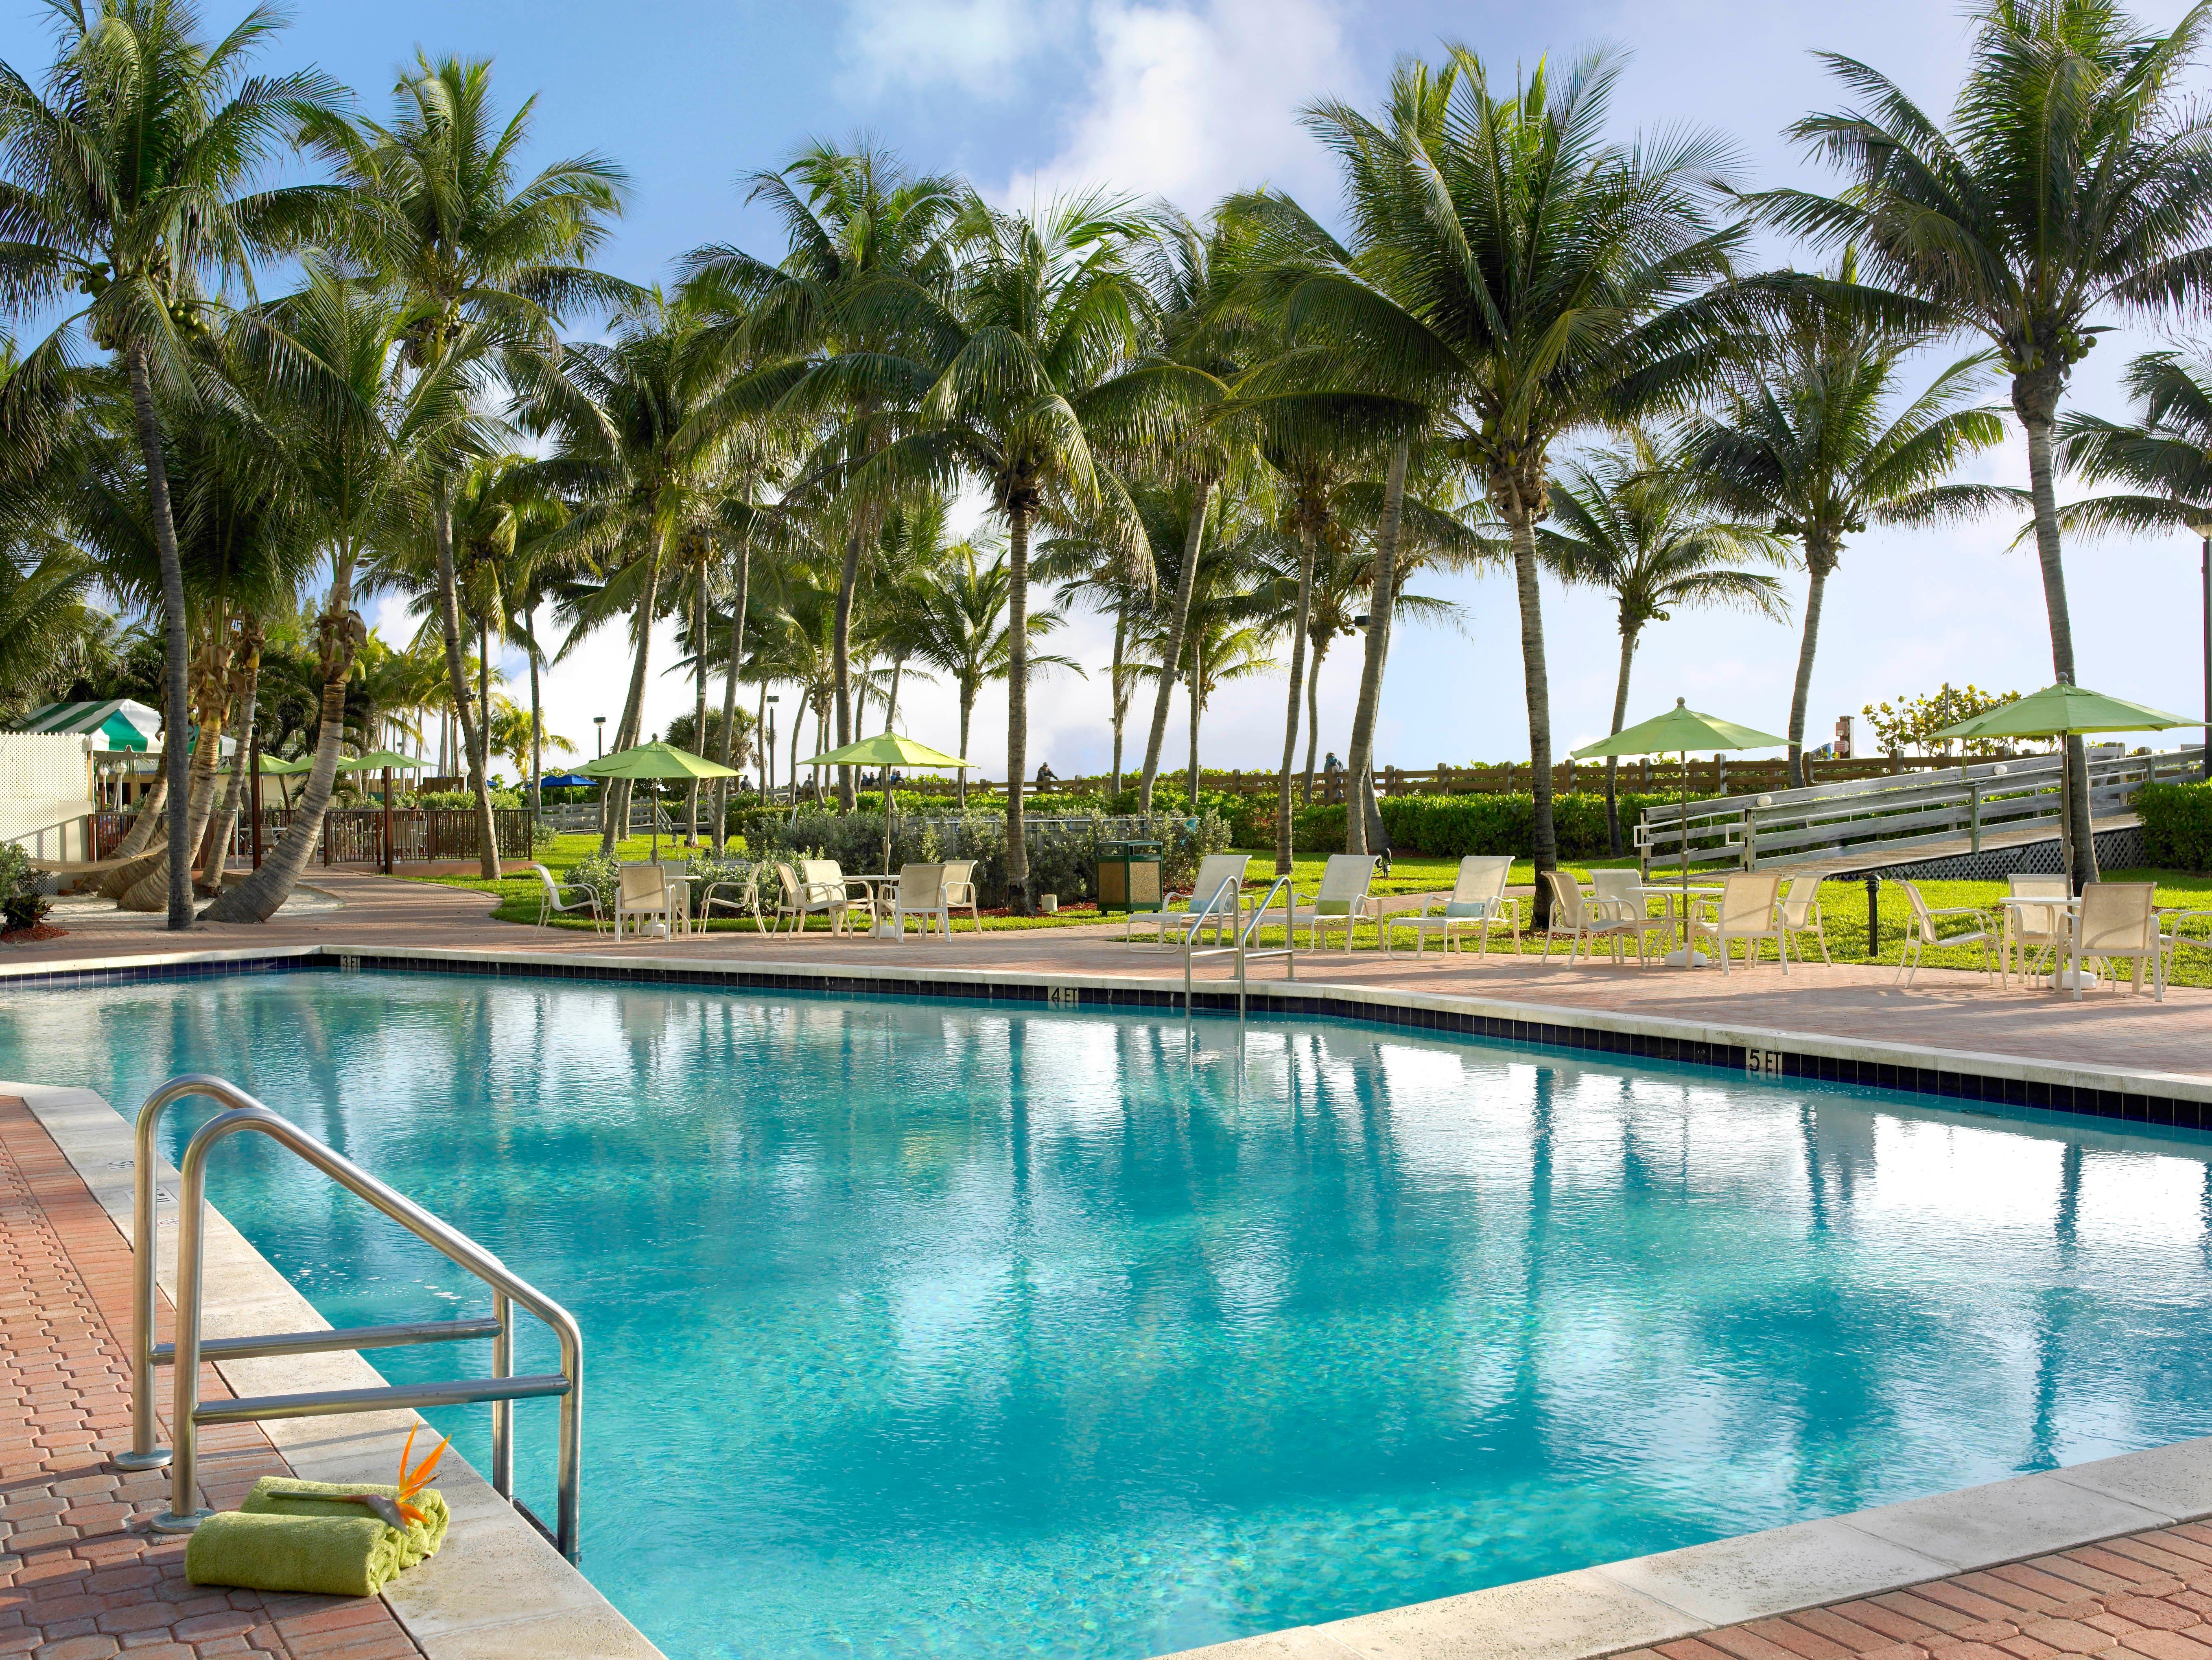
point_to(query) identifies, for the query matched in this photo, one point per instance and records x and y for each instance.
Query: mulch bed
(31, 936)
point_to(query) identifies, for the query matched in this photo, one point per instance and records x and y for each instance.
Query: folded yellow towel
(330, 1555)
(281, 1495)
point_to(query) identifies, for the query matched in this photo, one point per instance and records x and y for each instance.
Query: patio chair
(1749, 910)
(675, 872)
(1926, 929)
(960, 889)
(824, 891)
(2119, 923)
(550, 904)
(1213, 870)
(2043, 928)
(1477, 904)
(741, 898)
(643, 891)
(1582, 918)
(920, 892)
(1344, 899)
(1800, 914)
(1620, 892)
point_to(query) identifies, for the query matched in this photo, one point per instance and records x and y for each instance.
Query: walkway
(80, 1578)
(1945, 1009)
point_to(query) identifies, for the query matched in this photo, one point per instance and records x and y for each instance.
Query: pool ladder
(1224, 907)
(501, 1389)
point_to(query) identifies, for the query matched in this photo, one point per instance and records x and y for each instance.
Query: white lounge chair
(1621, 895)
(2119, 923)
(2042, 927)
(1213, 870)
(1749, 910)
(824, 891)
(1927, 930)
(920, 893)
(960, 889)
(741, 898)
(1477, 904)
(1582, 918)
(643, 891)
(550, 904)
(1345, 900)
(1800, 915)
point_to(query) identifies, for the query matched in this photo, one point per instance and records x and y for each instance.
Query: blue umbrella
(563, 780)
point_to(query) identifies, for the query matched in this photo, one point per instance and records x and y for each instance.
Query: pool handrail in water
(500, 1391)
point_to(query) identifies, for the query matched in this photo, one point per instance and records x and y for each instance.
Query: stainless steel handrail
(1193, 921)
(501, 1389)
(1287, 950)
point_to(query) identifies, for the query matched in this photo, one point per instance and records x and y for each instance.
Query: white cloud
(973, 45)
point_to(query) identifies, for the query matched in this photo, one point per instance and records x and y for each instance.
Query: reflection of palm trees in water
(2053, 1314)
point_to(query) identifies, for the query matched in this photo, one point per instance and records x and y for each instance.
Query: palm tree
(130, 179)
(486, 262)
(2165, 454)
(1810, 436)
(1034, 375)
(853, 221)
(958, 624)
(1630, 521)
(1522, 276)
(2070, 178)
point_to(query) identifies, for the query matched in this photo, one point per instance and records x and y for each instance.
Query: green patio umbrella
(887, 750)
(375, 760)
(657, 760)
(2062, 711)
(1680, 731)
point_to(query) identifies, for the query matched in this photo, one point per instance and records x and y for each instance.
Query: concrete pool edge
(497, 1590)
(1644, 1601)
(2129, 1095)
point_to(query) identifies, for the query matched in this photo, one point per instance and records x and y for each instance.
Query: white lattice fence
(45, 793)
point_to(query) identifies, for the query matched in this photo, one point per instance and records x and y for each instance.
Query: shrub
(2177, 824)
(1453, 826)
(602, 874)
(21, 904)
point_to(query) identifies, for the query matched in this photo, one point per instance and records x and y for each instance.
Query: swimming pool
(917, 1328)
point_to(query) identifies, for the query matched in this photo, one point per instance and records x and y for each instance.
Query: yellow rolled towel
(281, 1495)
(330, 1555)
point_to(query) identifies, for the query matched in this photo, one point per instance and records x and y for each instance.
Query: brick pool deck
(2117, 1569)
(80, 1578)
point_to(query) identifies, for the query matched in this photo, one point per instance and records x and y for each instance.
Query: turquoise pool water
(917, 1329)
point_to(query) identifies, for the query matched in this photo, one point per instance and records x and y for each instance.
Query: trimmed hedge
(1453, 826)
(2177, 824)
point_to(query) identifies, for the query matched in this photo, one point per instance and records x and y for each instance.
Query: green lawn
(1843, 903)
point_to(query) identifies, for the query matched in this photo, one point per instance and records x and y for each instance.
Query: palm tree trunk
(730, 695)
(1383, 584)
(1536, 683)
(1197, 707)
(617, 825)
(176, 713)
(536, 724)
(1298, 685)
(1018, 704)
(1118, 695)
(150, 891)
(891, 703)
(1313, 712)
(145, 822)
(256, 898)
(226, 824)
(841, 656)
(2035, 397)
(699, 692)
(1613, 761)
(967, 709)
(1178, 625)
(1820, 560)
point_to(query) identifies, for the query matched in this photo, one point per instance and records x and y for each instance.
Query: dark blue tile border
(1940, 1086)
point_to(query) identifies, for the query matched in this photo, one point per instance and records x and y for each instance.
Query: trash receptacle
(1129, 875)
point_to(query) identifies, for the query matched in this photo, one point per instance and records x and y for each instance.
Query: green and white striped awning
(119, 723)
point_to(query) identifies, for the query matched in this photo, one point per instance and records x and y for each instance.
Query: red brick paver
(2147, 1596)
(80, 1578)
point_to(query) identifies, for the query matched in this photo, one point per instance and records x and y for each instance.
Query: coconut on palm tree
(2069, 182)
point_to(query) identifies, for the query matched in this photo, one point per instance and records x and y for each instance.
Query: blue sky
(1193, 98)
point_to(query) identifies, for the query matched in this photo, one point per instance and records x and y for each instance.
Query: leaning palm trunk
(174, 711)
(2035, 397)
(226, 821)
(1313, 713)
(1018, 704)
(1178, 625)
(1820, 560)
(1297, 684)
(150, 891)
(456, 674)
(1613, 761)
(617, 825)
(147, 820)
(1119, 691)
(256, 898)
(1384, 584)
(841, 657)
(1521, 517)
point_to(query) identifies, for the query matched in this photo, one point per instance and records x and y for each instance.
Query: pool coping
(2127, 1094)
(497, 1590)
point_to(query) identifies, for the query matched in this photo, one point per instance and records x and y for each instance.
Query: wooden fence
(355, 836)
